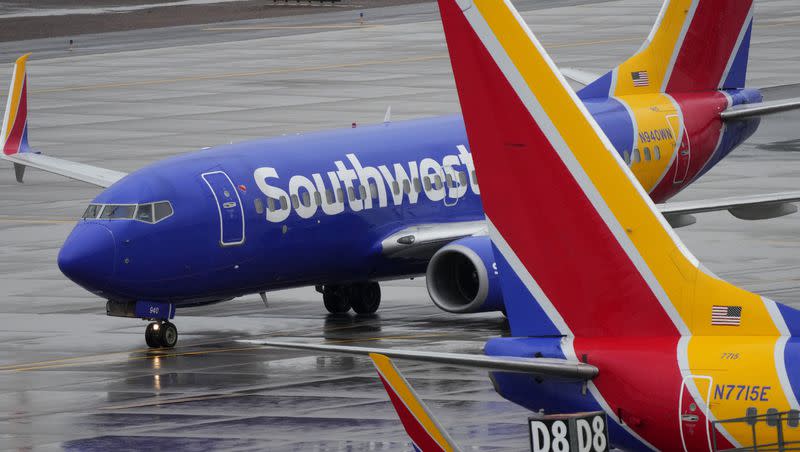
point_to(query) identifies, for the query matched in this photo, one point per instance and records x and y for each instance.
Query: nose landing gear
(161, 334)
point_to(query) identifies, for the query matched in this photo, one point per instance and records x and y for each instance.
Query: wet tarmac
(72, 378)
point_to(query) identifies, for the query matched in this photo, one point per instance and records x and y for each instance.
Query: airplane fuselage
(313, 208)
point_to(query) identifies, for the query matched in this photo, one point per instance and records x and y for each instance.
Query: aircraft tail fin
(15, 122)
(577, 240)
(423, 429)
(695, 45)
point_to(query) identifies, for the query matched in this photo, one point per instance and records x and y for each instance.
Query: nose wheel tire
(151, 334)
(366, 298)
(169, 335)
(161, 334)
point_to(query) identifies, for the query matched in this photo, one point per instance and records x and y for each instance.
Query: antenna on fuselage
(264, 299)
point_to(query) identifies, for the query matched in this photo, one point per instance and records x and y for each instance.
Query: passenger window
(637, 157)
(793, 418)
(284, 203)
(317, 198)
(449, 180)
(113, 212)
(417, 185)
(162, 210)
(351, 193)
(437, 182)
(145, 213)
(271, 204)
(340, 194)
(462, 177)
(406, 186)
(362, 191)
(647, 154)
(474, 177)
(306, 200)
(373, 190)
(91, 211)
(426, 181)
(329, 197)
(295, 202)
(626, 156)
(258, 204)
(657, 153)
(396, 187)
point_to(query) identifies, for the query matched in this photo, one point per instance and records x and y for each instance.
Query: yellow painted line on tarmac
(293, 27)
(150, 355)
(295, 70)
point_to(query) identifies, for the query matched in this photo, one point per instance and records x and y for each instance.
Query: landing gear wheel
(366, 297)
(169, 335)
(151, 335)
(336, 299)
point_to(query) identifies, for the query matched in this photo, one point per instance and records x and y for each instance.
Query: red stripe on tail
(415, 431)
(709, 44)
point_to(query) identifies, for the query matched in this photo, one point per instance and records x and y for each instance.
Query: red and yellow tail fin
(695, 45)
(573, 229)
(423, 429)
(15, 123)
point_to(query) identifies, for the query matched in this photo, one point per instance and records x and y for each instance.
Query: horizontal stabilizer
(760, 109)
(538, 366)
(778, 92)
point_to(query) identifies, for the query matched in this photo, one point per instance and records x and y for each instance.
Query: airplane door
(684, 149)
(229, 206)
(694, 425)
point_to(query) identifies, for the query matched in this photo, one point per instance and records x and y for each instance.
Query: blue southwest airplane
(344, 209)
(609, 311)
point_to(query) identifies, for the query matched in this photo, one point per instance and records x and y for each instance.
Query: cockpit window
(118, 212)
(144, 213)
(163, 210)
(91, 211)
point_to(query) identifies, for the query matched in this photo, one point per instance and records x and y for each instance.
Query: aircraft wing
(422, 241)
(749, 207)
(14, 137)
(546, 367)
(94, 175)
(579, 76)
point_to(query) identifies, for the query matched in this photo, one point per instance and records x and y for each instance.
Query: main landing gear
(161, 334)
(363, 297)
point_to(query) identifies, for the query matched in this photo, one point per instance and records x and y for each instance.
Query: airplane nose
(87, 256)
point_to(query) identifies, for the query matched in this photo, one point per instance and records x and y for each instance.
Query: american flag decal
(640, 78)
(726, 315)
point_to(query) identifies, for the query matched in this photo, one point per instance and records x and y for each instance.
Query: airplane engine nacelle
(462, 277)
